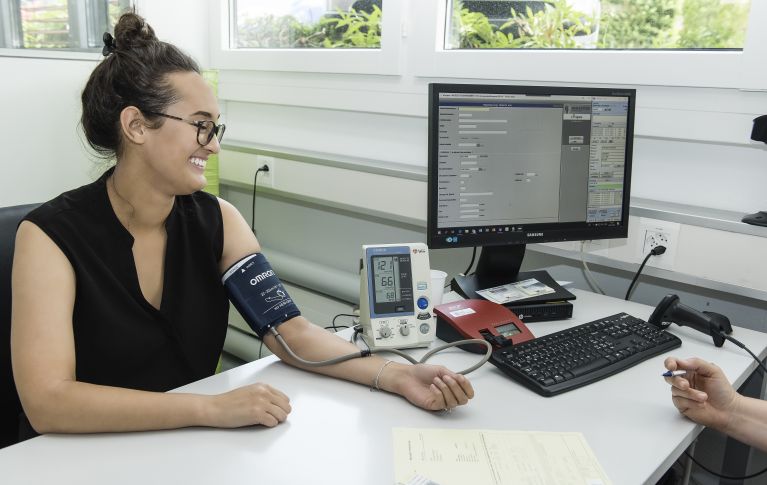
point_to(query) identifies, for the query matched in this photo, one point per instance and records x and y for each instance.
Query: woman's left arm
(427, 386)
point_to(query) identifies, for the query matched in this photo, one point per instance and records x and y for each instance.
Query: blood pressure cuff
(258, 294)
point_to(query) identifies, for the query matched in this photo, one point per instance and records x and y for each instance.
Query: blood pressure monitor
(395, 296)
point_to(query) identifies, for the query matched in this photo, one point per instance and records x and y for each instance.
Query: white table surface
(340, 433)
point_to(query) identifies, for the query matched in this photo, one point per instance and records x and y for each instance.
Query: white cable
(587, 272)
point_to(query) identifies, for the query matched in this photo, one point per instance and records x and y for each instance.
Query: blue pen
(674, 373)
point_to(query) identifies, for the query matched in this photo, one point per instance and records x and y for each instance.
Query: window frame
(383, 61)
(79, 14)
(722, 69)
(9, 23)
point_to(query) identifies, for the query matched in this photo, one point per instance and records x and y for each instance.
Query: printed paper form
(492, 457)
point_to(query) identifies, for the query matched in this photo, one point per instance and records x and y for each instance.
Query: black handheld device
(670, 310)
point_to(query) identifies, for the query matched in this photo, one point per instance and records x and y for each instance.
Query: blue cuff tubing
(258, 294)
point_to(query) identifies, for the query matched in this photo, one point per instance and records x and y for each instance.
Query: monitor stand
(499, 265)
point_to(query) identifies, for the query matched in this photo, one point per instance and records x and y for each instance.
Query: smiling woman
(130, 266)
(132, 306)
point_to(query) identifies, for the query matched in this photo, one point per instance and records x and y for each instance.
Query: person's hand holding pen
(701, 392)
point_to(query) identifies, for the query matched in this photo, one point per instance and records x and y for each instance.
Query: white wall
(184, 24)
(691, 144)
(722, 176)
(43, 154)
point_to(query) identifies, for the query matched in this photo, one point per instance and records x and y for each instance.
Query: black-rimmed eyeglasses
(206, 130)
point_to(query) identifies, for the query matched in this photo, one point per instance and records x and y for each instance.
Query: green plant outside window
(607, 24)
(61, 24)
(339, 28)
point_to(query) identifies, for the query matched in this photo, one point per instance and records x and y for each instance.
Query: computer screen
(511, 165)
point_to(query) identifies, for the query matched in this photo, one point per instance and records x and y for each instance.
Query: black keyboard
(580, 355)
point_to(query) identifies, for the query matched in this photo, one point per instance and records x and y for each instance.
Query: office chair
(10, 407)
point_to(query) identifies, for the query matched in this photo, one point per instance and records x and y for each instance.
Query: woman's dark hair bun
(134, 72)
(132, 31)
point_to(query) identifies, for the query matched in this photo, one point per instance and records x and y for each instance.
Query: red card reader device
(480, 319)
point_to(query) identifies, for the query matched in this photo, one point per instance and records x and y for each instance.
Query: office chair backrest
(10, 407)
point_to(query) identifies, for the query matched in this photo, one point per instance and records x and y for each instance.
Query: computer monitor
(511, 165)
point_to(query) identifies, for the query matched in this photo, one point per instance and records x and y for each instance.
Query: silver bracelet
(378, 376)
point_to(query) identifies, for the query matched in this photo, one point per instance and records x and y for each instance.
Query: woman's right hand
(248, 405)
(703, 394)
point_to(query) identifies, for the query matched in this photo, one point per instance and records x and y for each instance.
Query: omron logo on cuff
(258, 294)
(261, 277)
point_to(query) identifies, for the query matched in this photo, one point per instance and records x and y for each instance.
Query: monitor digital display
(511, 165)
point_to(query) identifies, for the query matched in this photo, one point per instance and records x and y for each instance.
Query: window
(266, 24)
(331, 36)
(595, 24)
(673, 56)
(65, 25)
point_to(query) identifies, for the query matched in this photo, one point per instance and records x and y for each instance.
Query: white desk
(340, 433)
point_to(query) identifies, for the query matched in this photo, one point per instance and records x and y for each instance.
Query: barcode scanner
(670, 310)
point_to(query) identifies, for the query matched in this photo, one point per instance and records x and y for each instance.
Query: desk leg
(688, 463)
(763, 395)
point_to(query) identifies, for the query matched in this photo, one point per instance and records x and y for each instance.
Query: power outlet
(653, 233)
(654, 238)
(265, 179)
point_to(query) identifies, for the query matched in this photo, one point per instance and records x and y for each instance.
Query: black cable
(473, 256)
(762, 367)
(260, 348)
(358, 331)
(264, 168)
(653, 252)
(337, 327)
(720, 475)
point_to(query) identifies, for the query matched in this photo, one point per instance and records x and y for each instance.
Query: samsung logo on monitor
(534, 234)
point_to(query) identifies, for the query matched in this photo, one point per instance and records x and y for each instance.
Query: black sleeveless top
(120, 338)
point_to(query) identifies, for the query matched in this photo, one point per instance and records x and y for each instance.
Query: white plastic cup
(437, 286)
